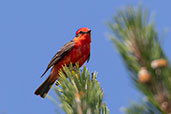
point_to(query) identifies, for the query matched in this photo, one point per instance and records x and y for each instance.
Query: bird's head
(82, 31)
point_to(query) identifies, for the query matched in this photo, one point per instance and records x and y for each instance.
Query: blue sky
(31, 32)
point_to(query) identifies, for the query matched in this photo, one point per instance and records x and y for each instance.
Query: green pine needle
(79, 92)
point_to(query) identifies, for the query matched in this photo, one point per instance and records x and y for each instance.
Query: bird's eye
(81, 32)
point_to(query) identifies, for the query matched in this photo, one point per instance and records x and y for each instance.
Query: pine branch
(79, 92)
(138, 44)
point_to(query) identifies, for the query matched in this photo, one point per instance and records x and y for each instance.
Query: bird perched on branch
(75, 51)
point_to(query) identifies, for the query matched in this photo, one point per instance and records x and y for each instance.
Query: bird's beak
(89, 31)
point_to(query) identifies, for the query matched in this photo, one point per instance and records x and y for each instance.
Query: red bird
(75, 51)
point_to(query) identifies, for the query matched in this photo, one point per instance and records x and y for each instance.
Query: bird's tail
(43, 89)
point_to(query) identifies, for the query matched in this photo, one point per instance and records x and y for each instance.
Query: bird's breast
(78, 54)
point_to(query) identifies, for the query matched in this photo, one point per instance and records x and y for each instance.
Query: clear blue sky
(31, 32)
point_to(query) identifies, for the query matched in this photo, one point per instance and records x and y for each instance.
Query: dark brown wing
(60, 54)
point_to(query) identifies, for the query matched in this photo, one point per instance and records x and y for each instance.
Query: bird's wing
(60, 54)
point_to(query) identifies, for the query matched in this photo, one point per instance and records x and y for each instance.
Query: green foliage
(138, 44)
(79, 92)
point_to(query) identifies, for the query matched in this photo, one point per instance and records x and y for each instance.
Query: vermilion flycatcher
(75, 51)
